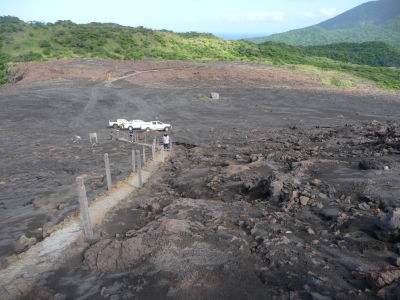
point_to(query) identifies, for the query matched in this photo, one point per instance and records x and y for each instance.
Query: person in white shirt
(165, 140)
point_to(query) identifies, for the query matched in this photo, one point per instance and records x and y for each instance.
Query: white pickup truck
(155, 125)
(126, 124)
(134, 124)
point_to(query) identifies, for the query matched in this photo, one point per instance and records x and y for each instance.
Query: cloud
(276, 16)
(329, 12)
(307, 14)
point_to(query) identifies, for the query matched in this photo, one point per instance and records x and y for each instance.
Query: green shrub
(134, 55)
(146, 44)
(30, 56)
(3, 69)
(336, 82)
(44, 44)
(59, 32)
(10, 19)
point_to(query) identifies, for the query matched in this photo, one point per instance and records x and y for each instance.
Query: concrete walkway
(21, 276)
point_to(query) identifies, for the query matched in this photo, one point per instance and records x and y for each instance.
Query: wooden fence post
(162, 153)
(170, 144)
(144, 155)
(153, 149)
(108, 173)
(139, 168)
(145, 138)
(133, 161)
(83, 202)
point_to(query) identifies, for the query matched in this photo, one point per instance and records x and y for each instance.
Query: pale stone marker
(139, 168)
(133, 161)
(162, 154)
(83, 202)
(153, 149)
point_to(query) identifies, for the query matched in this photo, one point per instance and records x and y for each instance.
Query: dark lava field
(274, 191)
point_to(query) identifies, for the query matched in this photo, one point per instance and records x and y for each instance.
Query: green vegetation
(375, 54)
(35, 41)
(384, 77)
(206, 98)
(337, 82)
(3, 69)
(202, 97)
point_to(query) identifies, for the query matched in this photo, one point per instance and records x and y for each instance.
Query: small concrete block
(214, 96)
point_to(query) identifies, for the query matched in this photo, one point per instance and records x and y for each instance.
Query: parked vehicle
(155, 125)
(133, 124)
(120, 123)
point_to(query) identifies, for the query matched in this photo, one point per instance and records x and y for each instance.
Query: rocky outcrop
(194, 241)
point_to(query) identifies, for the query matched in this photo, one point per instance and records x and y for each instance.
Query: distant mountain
(371, 21)
(370, 13)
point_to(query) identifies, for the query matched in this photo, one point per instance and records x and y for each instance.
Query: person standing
(131, 136)
(166, 141)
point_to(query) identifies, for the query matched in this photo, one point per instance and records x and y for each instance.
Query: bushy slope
(385, 77)
(376, 54)
(64, 39)
(23, 42)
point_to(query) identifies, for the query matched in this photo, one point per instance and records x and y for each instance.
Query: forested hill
(372, 21)
(36, 41)
(376, 54)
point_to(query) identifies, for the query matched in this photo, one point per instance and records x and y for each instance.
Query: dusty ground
(278, 189)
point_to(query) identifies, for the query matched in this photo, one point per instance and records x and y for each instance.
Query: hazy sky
(255, 17)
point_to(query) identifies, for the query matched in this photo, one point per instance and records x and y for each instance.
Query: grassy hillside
(64, 39)
(23, 42)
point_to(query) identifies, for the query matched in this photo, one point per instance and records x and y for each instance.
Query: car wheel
(115, 126)
(130, 128)
(147, 129)
(166, 129)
